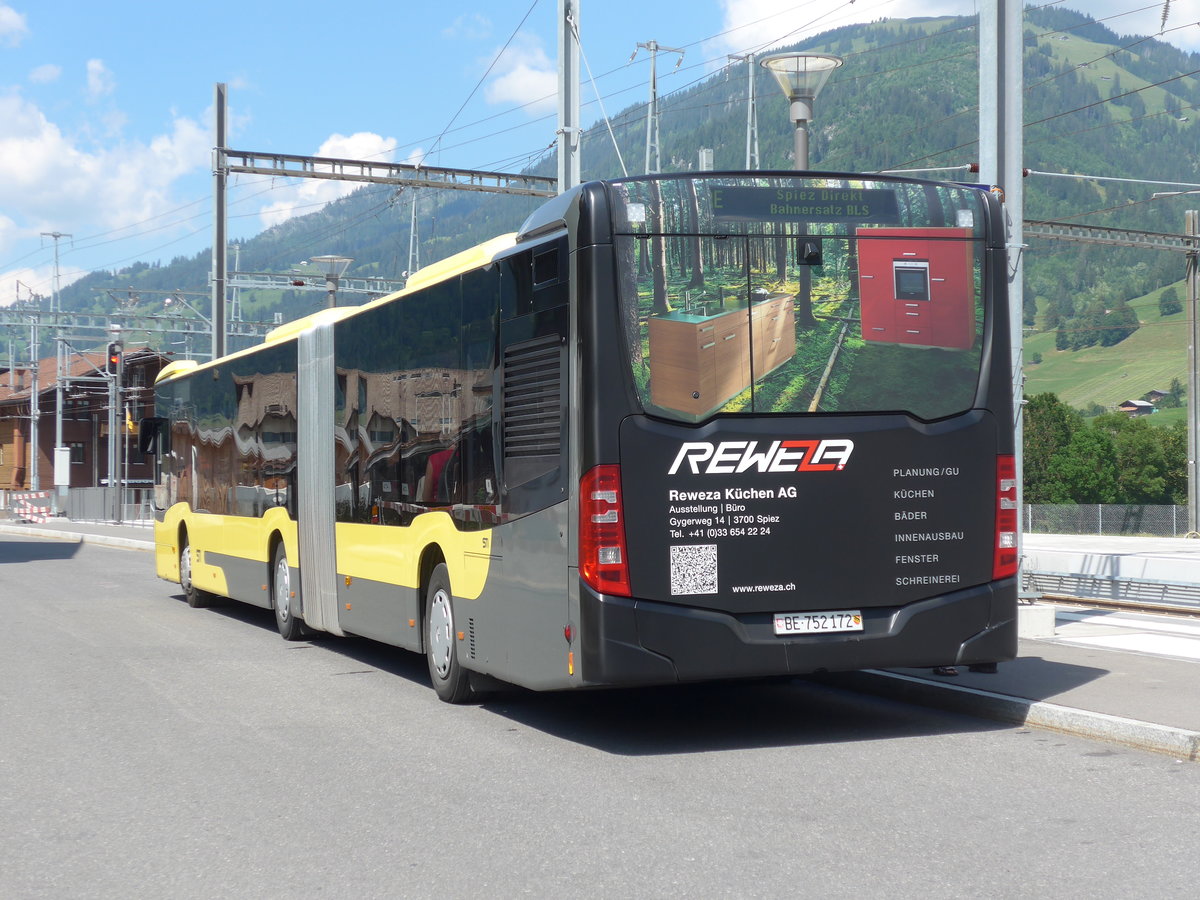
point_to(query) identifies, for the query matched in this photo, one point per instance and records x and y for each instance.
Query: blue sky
(106, 109)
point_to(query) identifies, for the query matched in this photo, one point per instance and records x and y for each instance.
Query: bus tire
(450, 679)
(290, 625)
(196, 598)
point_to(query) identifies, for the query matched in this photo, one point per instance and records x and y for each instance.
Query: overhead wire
(483, 77)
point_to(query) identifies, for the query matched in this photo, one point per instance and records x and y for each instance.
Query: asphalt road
(151, 750)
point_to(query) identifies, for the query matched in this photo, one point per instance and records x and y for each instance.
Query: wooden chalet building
(84, 421)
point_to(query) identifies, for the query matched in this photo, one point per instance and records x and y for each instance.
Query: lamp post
(801, 75)
(335, 267)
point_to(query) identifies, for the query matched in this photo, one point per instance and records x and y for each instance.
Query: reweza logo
(732, 457)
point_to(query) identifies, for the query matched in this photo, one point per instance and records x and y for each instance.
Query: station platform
(1125, 678)
(1147, 570)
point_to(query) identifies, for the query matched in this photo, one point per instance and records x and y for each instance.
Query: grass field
(1145, 361)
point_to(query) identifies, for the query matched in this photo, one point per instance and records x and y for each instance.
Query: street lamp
(801, 75)
(335, 267)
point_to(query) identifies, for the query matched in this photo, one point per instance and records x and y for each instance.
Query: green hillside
(1145, 361)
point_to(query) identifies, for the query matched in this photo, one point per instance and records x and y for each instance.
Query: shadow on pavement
(18, 551)
(723, 716)
(1031, 677)
(653, 721)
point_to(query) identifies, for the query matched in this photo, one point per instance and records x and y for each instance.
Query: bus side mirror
(150, 429)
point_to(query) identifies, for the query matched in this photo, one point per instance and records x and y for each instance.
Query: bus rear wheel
(196, 598)
(290, 626)
(450, 679)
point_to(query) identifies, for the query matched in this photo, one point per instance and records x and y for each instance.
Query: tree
(1175, 394)
(1175, 446)
(1142, 475)
(1049, 426)
(1168, 302)
(1084, 471)
(658, 255)
(1061, 341)
(1119, 324)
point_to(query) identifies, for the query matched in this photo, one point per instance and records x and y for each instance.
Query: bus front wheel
(450, 679)
(196, 598)
(290, 625)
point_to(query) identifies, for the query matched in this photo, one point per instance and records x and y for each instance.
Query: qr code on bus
(694, 569)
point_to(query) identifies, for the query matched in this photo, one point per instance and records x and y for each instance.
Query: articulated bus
(676, 428)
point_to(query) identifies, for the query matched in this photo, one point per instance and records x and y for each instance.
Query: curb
(1177, 742)
(77, 537)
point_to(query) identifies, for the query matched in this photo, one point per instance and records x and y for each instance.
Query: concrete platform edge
(55, 534)
(1177, 742)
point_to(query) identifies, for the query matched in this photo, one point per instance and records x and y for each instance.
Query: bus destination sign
(804, 204)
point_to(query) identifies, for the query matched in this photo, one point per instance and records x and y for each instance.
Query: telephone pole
(568, 95)
(652, 149)
(55, 303)
(1192, 229)
(752, 162)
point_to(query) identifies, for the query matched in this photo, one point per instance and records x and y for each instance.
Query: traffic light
(112, 362)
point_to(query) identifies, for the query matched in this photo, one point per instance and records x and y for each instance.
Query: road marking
(1132, 621)
(1156, 644)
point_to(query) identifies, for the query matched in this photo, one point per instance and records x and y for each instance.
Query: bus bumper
(629, 641)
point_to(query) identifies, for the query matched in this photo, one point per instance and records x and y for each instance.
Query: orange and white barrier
(32, 506)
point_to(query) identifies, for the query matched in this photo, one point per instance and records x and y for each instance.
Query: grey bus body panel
(515, 630)
(314, 462)
(631, 641)
(245, 579)
(381, 612)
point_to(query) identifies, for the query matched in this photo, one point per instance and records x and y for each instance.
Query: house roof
(79, 364)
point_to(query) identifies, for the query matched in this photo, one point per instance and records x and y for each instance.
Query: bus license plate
(812, 623)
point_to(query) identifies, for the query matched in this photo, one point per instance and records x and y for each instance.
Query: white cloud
(469, 27)
(13, 29)
(47, 182)
(45, 74)
(100, 80)
(525, 75)
(306, 195)
(32, 281)
(761, 25)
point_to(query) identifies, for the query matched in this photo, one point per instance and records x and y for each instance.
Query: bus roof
(479, 255)
(464, 261)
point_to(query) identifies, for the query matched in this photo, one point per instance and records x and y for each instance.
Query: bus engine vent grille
(533, 398)
(471, 637)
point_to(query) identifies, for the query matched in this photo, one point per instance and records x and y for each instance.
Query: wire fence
(1107, 518)
(95, 504)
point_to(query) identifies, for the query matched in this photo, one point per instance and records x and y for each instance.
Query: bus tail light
(1007, 519)
(603, 563)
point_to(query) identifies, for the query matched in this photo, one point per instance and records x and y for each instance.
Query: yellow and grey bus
(675, 428)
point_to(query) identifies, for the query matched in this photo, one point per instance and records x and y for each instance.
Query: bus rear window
(793, 295)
